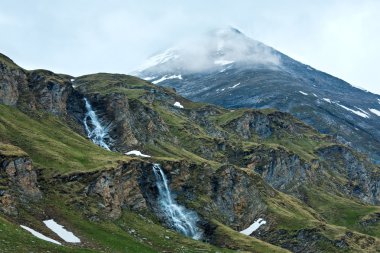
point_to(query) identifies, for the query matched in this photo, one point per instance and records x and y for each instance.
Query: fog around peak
(215, 48)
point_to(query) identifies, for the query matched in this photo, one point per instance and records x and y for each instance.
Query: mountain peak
(227, 30)
(216, 49)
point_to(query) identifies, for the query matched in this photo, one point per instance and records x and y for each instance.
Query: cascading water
(177, 217)
(94, 129)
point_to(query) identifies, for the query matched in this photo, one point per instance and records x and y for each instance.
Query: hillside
(229, 167)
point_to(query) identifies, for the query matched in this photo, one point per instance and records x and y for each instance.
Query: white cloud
(339, 37)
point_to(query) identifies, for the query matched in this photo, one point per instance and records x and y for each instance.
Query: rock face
(18, 182)
(361, 179)
(131, 123)
(238, 195)
(119, 188)
(234, 195)
(10, 79)
(38, 90)
(281, 169)
(289, 173)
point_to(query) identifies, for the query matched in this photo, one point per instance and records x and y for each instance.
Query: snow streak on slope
(374, 111)
(61, 231)
(253, 227)
(359, 113)
(137, 153)
(39, 235)
(167, 78)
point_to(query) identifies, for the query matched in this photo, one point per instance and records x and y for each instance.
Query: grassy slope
(344, 212)
(57, 149)
(15, 239)
(51, 144)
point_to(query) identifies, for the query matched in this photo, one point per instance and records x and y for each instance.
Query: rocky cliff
(18, 179)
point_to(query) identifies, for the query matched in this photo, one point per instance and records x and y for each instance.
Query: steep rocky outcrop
(18, 179)
(347, 173)
(283, 170)
(235, 196)
(131, 124)
(12, 78)
(40, 90)
(229, 195)
(361, 179)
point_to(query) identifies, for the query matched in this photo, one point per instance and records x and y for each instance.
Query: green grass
(228, 116)
(8, 62)
(11, 151)
(302, 146)
(13, 238)
(290, 213)
(343, 212)
(51, 144)
(132, 232)
(58, 149)
(107, 83)
(235, 240)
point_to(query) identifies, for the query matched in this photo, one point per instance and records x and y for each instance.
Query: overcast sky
(341, 37)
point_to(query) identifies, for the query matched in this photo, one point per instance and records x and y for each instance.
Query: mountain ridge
(323, 101)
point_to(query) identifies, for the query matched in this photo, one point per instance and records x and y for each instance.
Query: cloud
(79, 37)
(212, 50)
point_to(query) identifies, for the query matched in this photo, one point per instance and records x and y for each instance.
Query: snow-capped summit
(208, 67)
(211, 52)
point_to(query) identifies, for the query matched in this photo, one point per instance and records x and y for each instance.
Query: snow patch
(136, 153)
(66, 235)
(178, 104)
(39, 235)
(165, 77)
(72, 80)
(362, 110)
(303, 93)
(359, 113)
(226, 68)
(149, 78)
(169, 54)
(327, 100)
(374, 111)
(222, 62)
(253, 227)
(234, 86)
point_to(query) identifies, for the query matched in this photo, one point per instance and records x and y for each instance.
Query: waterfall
(94, 129)
(177, 217)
